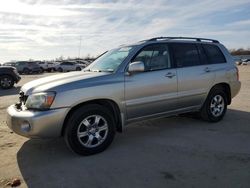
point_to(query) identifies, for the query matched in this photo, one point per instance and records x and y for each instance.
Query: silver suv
(150, 79)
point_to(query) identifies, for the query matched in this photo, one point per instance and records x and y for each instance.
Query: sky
(46, 29)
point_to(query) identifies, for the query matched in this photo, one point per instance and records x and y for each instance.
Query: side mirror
(137, 66)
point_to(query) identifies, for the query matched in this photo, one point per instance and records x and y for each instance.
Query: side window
(202, 54)
(155, 57)
(214, 54)
(185, 54)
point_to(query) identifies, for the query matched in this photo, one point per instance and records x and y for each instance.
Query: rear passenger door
(154, 91)
(195, 74)
(71, 66)
(66, 66)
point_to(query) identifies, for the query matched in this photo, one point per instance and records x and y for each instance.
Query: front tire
(215, 105)
(90, 129)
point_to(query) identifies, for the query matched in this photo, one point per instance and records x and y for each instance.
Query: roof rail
(185, 38)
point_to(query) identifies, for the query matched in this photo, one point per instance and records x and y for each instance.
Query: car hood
(62, 81)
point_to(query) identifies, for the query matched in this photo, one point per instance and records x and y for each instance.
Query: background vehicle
(43, 65)
(238, 62)
(11, 64)
(66, 66)
(27, 67)
(82, 62)
(8, 77)
(51, 66)
(158, 77)
(246, 62)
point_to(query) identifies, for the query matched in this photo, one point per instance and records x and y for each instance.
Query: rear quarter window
(214, 54)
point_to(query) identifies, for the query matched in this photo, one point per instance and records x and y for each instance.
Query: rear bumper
(41, 124)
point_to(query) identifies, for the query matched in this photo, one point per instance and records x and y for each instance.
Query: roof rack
(185, 38)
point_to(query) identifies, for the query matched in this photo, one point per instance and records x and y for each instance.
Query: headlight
(40, 100)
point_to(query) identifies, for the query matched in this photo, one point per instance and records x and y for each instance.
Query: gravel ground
(167, 152)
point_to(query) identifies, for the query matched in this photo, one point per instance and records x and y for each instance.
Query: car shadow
(12, 91)
(155, 153)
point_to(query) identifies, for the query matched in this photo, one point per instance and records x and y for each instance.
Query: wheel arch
(108, 103)
(226, 88)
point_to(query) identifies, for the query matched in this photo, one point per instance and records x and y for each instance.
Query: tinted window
(185, 54)
(21, 63)
(155, 57)
(202, 54)
(214, 54)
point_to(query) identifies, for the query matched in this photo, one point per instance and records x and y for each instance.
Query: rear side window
(214, 54)
(64, 63)
(21, 63)
(185, 54)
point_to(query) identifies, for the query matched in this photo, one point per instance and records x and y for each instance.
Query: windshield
(110, 61)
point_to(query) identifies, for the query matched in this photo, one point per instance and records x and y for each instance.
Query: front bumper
(42, 124)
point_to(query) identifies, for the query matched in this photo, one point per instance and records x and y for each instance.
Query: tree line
(240, 51)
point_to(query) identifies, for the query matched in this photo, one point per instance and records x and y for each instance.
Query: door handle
(207, 69)
(170, 75)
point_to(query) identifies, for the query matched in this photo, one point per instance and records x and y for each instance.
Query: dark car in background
(8, 77)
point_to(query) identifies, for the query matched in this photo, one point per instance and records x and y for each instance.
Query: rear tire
(41, 70)
(60, 69)
(78, 69)
(26, 71)
(215, 105)
(6, 82)
(89, 130)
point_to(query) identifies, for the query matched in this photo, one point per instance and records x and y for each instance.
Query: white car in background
(43, 65)
(51, 66)
(246, 62)
(84, 63)
(66, 66)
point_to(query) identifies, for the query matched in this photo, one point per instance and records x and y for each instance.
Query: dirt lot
(168, 152)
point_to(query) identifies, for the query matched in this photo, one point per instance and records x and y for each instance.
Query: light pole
(79, 52)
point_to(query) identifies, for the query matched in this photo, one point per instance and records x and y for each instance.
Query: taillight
(237, 73)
